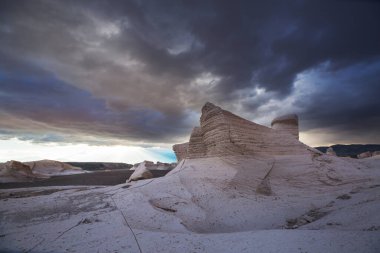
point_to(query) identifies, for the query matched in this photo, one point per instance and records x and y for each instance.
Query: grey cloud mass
(138, 71)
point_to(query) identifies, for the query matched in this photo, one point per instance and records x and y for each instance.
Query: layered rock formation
(287, 124)
(222, 133)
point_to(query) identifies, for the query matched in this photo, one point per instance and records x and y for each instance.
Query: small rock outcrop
(330, 151)
(141, 171)
(223, 133)
(368, 154)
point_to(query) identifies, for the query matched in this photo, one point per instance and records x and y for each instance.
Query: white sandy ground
(319, 203)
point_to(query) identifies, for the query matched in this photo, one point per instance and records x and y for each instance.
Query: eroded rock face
(287, 124)
(222, 133)
(180, 150)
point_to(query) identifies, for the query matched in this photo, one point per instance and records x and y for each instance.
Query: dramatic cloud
(137, 72)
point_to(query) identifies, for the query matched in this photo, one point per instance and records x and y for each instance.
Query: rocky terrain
(238, 187)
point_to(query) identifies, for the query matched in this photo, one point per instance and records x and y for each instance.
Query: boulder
(141, 171)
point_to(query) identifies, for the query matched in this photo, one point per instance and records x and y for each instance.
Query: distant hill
(94, 166)
(351, 150)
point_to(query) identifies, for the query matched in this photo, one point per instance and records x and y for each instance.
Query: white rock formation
(330, 151)
(141, 171)
(14, 171)
(222, 133)
(53, 168)
(287, 123)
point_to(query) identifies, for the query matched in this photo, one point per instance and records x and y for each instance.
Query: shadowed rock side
(222, 133)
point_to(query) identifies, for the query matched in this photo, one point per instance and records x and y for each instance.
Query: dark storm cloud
(137, 70)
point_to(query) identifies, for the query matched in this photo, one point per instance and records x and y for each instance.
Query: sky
(124, 80)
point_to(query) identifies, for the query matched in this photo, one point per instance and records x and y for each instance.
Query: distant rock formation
(50, 168)
(368, 154)
(330, 151)
(222, 133)
(155, 166)
(141, 171)
(14, 171)
(287, 124)
(351, 150)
